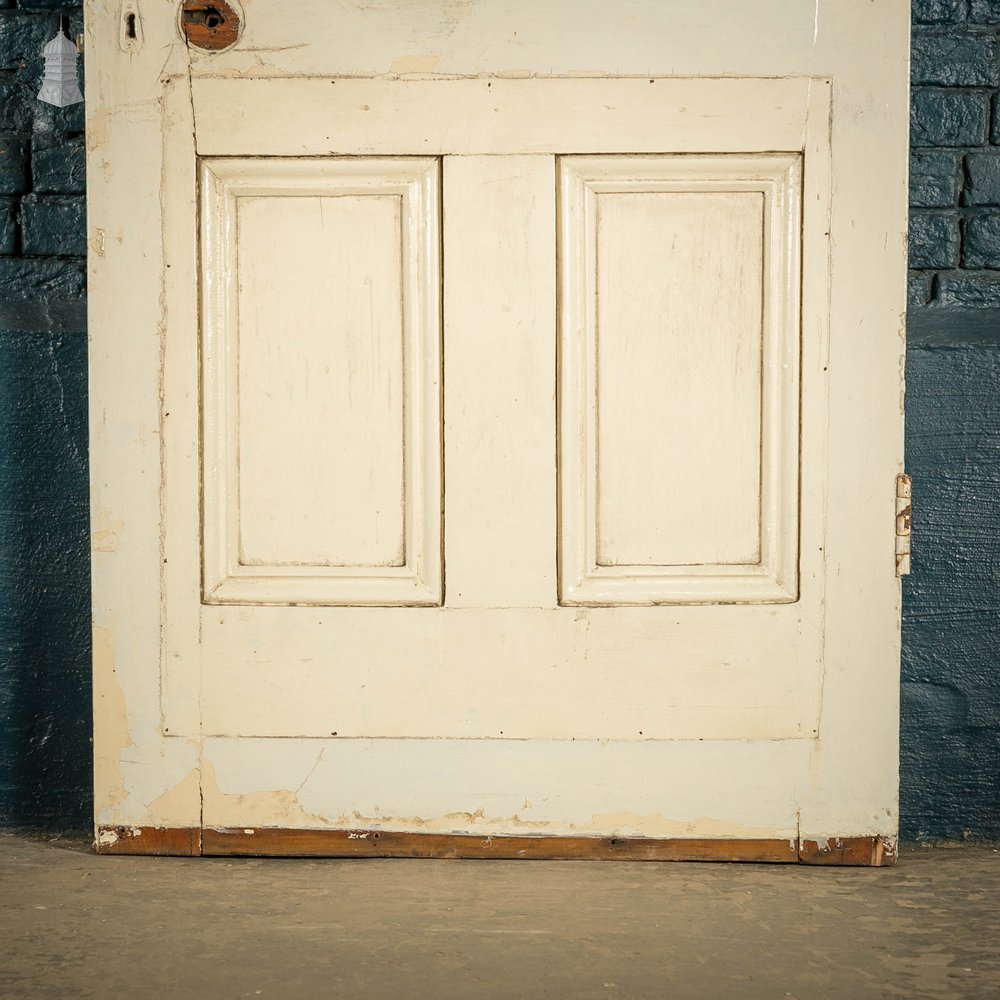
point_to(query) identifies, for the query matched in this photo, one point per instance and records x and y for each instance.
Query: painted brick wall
(42, 215)
(955, 157)
(45, 715)
(950, 738)
(950, 742)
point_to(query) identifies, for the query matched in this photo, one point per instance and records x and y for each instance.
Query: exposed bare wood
(180, 842)
(388, 844)
(211, 25)
(873, 852)
(273, 842)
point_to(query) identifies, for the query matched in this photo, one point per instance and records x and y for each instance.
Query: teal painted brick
(13, 163)
(954, 61)
(937, 11)
(970, 289)
(52, 6)
(984, 11)
(934, 179)
(45, 718)
(981, 241)
(23, 280)
(950, 725)
(8, 226)
(58, 165)
(948, 118)
(983, 185)
(15, 101)
(933, 240)
(995, 126)
(54, 225)
(918, 288)
(22, 35)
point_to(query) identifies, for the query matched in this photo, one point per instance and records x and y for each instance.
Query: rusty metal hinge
(904, 523)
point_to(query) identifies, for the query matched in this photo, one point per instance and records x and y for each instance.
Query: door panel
(321, 375)
(680, 347)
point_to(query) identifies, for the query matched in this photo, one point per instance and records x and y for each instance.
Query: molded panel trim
(231, 575)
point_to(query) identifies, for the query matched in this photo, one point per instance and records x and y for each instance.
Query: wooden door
(482, 471)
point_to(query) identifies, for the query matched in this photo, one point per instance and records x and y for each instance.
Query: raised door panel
(679, 340)
(321, 477)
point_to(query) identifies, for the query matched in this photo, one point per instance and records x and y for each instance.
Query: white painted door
(501, 438)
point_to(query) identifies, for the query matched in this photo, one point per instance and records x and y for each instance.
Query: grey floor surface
(76, 925)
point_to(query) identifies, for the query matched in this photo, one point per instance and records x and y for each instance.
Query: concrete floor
(75, 925)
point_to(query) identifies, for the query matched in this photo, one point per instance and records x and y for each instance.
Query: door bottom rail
(263, 842)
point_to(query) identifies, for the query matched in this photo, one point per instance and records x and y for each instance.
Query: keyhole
(130, 26)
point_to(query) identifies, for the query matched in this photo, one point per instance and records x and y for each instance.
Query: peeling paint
(104, 532)
(104, 541)
(265, 808)
(173, 807)
(109, 836)
(603, 824)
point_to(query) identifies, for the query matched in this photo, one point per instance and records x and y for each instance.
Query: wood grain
(390, 844)
(868, 852)
(265, 842)
(176, 842)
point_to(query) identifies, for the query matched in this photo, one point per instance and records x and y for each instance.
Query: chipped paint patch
(638, 825)
(177, 805)
(601, 824)
(104, 532)
(107, 837)
(279, 808)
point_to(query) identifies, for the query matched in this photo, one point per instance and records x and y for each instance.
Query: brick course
(955, 154)
(42, 177)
